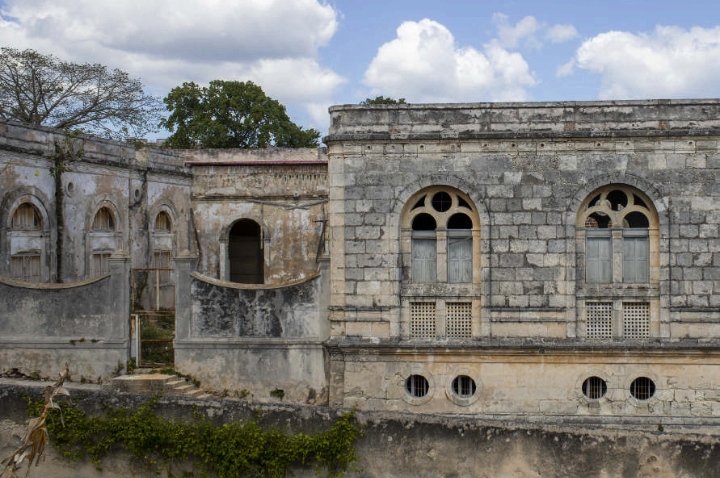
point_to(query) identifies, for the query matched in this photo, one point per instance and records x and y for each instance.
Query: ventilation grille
(599, 320)
(459, 320)
(422, 320)
(636, 320)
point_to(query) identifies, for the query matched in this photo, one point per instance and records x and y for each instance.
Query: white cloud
(423, 64)
(166, 43)
(669, 62)
(223, 30)
(561, 33)
(511, 35)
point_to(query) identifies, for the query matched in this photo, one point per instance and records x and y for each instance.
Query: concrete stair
(151, 383)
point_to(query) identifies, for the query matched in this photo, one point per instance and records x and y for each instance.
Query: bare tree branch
(44, 90)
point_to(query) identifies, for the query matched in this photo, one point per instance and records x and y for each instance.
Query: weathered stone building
(536, 259)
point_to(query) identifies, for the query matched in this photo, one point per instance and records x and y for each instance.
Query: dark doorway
(245, 253)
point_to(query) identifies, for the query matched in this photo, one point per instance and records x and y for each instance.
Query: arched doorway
(245, 253)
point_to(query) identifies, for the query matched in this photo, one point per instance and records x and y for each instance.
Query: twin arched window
(617, 218)
(441, 227)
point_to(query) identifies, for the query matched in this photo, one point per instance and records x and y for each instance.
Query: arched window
(27, 218)
(448, 214)
(26, 260)
(620, 212)
(440, 237)
(247, 264)
(103, 220)
(617, 229)
(103, 240)
(163, 223)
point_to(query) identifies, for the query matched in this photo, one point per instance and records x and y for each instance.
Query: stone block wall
(525, 174)
(526, 168)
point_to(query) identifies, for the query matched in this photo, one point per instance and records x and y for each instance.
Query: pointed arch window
(163, 223)
(103, 221)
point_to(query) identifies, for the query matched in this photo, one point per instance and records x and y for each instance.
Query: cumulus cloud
(166, 43)
(424, 64)
(669, 62)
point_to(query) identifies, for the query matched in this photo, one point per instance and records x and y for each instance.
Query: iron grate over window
(599, 320)
(417, 386)
(636, 320)
(594, 388)
(422, 320)
(459, 320)
(464, 386)
(642, 388)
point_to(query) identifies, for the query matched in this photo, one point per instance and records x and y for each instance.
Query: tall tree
(44, 90)
(231, 114)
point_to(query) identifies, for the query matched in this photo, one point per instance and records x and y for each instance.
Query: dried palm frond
(36, 437)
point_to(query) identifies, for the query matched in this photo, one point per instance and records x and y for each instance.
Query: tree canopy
(231, 114)
(381, 100)
(41, 89)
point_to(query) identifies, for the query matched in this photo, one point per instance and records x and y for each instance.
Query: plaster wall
(283, 191)
(86, 324)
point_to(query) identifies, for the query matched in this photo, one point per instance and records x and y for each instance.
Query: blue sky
(310, 54)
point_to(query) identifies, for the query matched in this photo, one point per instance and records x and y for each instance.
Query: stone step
(151, 383)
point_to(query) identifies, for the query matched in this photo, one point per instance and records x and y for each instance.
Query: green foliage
(131, 366)
(278, 393)
(231, 114)
(230, 450)
(381, 100)
(42, 89)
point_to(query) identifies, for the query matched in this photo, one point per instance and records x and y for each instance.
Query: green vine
(230, 450)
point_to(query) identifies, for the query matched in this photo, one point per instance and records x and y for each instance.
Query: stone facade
(507, 259)
(588, 281)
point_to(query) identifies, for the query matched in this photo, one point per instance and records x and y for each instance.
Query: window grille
(599, 320)
(422, 320)
(459, 320)
(594, 388)
(642, 388)
(464, 386)
(26, 217)
(417, 386)
(636, 320)
(25, 267)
